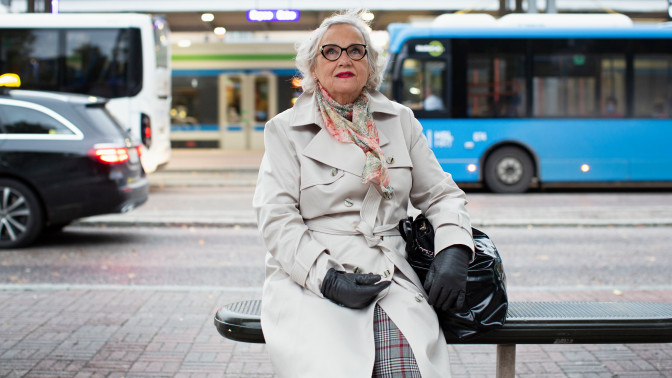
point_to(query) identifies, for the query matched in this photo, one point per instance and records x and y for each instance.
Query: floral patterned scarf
(353, 123)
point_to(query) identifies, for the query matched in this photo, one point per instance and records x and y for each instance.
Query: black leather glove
(352, 290)
(446, 281)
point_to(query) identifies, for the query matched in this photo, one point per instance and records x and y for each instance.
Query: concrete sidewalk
(213, 160)
(85, 331)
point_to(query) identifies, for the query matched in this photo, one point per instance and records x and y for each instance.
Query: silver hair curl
(306, 50)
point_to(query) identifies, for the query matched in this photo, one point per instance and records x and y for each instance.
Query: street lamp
(368, 16)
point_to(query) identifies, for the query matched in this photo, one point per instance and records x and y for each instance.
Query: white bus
(124, 57)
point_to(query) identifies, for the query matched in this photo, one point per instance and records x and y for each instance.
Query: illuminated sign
(271, 15)
(434, 48)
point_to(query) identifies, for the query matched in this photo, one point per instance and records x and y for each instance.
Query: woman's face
(343, 78)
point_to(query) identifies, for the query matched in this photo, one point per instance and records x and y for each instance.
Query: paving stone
(153, 333)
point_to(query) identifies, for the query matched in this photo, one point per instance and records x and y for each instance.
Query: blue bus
(514, 108)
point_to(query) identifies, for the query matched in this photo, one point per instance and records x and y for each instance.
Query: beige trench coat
(310, 202)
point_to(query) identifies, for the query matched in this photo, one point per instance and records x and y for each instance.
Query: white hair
(306, 50)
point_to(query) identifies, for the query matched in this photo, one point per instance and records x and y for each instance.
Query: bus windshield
(96, 62)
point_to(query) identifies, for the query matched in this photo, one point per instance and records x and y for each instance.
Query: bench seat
(526, 323)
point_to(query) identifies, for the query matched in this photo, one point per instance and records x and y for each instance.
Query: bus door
(246, 102)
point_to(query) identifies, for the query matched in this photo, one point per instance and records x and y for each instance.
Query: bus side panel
(599, 150)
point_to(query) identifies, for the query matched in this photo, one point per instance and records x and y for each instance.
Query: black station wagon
(62, 157)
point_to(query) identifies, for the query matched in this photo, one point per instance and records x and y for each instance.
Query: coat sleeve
(276, 204)
(435, 193)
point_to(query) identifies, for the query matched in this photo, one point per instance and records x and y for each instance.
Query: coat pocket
(323, 175)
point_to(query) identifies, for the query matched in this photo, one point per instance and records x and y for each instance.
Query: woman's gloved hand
(446, 281)
(352, 290)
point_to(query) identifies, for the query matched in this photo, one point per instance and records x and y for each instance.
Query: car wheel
(508, 170)
(21, 218)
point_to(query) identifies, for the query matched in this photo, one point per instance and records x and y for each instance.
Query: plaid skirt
(394, 357)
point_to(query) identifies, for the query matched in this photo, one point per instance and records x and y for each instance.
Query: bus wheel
(20, 215)
(508, 170)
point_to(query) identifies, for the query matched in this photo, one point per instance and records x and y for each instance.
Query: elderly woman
(340, 168)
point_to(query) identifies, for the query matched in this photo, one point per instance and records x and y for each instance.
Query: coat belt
(373, 234)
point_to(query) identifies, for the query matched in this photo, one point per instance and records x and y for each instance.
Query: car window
(23, 120)
(105, 122)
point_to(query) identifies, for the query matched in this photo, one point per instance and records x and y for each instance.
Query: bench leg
(506, 360)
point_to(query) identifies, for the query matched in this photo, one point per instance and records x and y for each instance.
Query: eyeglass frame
(340, 53)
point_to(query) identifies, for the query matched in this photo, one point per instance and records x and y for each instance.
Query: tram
(224, 93)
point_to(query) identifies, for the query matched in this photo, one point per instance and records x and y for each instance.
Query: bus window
(161, 43)
(653, 86)
(562, 87)
(489, 78)
(411, 78)
(33, 55)
(578, 78)
(495, 86)
(424, 84)
(386, 85)
(97, 62)
(433, 88)
(613, 87)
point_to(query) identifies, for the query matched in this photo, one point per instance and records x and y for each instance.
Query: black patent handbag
(486, 301)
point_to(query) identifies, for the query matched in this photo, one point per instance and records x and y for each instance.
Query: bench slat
(526, 323)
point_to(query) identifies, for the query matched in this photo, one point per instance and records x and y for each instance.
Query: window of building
(195, 100)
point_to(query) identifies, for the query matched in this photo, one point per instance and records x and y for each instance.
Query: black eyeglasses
(356, 51)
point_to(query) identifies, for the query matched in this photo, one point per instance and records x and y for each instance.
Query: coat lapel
(325, 148)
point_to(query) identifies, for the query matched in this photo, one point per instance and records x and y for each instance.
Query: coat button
(387, 195)
(390, 160)
(348, 202)
(386, 273)
(419, 297)
(334, 171)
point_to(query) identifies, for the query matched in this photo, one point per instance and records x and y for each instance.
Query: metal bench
(526, 323)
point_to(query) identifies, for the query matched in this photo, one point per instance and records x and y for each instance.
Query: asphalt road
(565, 258)
(222, 205)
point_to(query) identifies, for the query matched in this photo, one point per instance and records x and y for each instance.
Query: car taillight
(145, 130)
(110, 155)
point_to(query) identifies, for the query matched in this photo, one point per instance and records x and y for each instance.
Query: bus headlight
(471, 168)
(585, 168)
